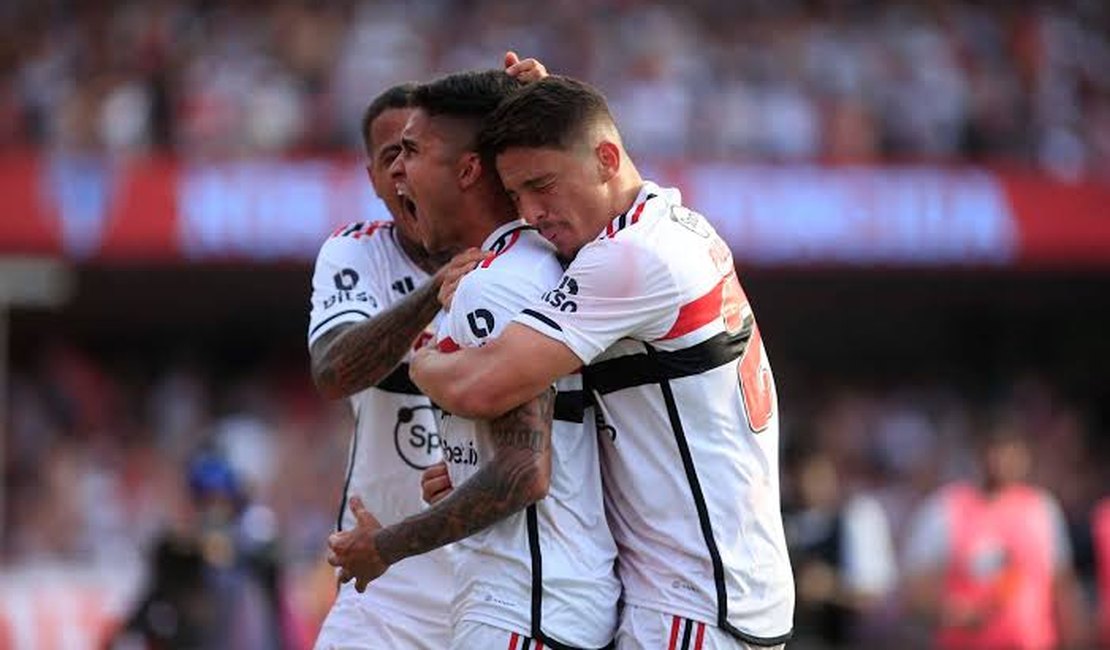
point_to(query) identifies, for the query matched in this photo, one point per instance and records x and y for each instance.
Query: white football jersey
(689, 417)
(361, 271)
(546, 572)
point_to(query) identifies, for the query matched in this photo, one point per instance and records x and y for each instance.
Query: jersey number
(756, 384)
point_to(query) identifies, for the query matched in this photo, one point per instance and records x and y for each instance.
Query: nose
(529, 209)
(397, 167)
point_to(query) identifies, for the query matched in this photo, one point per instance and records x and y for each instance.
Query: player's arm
(518, 475)
(354, 356)
(486, 382)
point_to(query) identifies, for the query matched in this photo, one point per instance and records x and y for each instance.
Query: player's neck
(482, 212)
(626, 186)
(418, 256)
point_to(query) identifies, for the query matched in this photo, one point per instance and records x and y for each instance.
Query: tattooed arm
(518, 475)
(353, 357)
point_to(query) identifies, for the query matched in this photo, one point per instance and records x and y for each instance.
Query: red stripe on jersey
(639, 209)
(371, 228)
(701, 636)
(512, 240)
(513, 641)
(700, 312)
(674, 633)
(448, 345)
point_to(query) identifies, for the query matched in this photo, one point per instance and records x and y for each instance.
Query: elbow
(324, 380)
(538, 486)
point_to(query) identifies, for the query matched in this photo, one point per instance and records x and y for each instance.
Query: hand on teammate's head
(527, 70)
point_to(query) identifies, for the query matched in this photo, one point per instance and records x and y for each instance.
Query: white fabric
(361, 272)
(370, 622)
(469, 635)
(642, 289)
(493, 574)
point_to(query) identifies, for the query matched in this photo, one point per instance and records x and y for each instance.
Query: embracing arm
(518, 475)
(485, 382)
(353, 357)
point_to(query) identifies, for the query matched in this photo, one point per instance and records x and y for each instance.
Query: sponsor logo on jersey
(460, 454)
(481, 322)
(345, 282)
(559, 297)
(416, 437)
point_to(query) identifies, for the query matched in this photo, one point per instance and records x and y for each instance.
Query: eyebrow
(537, 181)
(408, 143)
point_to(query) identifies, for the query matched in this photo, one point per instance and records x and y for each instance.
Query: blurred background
(917, 195)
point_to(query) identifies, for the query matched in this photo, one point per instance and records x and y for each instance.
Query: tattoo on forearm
(515, 477)
(356, 357)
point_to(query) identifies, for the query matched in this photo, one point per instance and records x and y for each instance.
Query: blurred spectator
(989, 564)
(216, 583)
(842, 553)
(839, 81)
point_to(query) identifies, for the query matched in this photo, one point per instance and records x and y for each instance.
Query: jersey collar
(498, 237)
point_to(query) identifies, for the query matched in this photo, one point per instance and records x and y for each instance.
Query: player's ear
(608, 160)
(469, 169)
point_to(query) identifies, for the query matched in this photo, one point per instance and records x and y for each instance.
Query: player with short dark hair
(650, 307)
(535, 564)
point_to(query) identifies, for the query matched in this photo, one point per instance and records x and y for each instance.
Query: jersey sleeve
(346, 286)
(612, 290)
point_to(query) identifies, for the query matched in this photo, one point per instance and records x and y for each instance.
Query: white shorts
(647, 629)
(358, 622)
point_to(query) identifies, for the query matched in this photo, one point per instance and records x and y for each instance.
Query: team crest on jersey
(416, 437)
(690, 220)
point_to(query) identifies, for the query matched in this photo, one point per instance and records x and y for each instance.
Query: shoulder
(365, 241)
(524, 259)
(359, 229)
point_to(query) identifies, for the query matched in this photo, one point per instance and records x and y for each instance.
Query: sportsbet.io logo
(416, 438)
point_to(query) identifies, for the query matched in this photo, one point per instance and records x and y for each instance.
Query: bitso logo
(345, 282)
(346, 279)
(416, 436)
(559, 297)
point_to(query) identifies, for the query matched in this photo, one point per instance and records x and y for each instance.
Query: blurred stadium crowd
(826, 80)
(100, 448)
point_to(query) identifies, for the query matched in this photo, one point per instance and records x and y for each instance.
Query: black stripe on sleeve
(543, 319)
(337, 315)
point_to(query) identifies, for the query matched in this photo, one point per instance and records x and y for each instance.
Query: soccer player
(374, 296)
(535, 567)
(651, 306)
